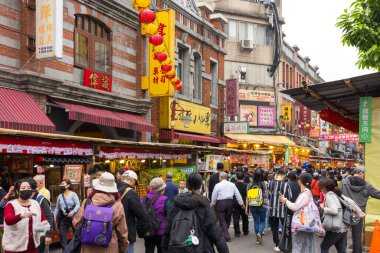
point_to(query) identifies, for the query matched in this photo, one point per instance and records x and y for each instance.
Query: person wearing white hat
(133, 208)
(105, 193)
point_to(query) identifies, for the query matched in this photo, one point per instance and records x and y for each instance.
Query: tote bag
(307, 218)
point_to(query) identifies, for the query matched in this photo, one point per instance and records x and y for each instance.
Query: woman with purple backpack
(104, 201)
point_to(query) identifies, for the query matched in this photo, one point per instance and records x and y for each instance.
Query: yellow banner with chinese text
(159, 85)
(200, 116)
(287, 113)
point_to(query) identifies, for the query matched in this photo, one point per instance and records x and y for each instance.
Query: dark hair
(257, 177)
(306, 179)
(240, 176)
(292, 176)
(329, 185)
(219, 166)
(281, 172)
(32, 182)
(19, 183)
(96, 168)
(194, 181)
(68, 182)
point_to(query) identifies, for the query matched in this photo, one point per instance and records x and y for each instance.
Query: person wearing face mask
(67, 206)
(23, 216)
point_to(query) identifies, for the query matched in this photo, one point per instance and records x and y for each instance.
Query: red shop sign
(36, 146)
(97, 80)
(340, 137)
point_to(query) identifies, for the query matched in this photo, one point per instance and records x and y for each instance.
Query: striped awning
(106, 117)
(19, 111)
(165, 135)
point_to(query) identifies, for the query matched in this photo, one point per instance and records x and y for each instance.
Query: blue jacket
(171, 190)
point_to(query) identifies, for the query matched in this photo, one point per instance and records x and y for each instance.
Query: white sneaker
(277, 249)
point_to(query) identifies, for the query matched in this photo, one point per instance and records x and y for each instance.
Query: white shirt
(225, 190)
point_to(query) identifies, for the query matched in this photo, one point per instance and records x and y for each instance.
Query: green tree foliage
(360, 25)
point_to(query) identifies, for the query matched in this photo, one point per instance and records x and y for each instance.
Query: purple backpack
(97, 227)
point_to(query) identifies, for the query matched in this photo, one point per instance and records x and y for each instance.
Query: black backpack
(186, 233)
(154, 223)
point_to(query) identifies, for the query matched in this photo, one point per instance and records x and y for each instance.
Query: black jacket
(45, 206)
(212, 233)
(133, 210)
(214, 179)
(242, 188)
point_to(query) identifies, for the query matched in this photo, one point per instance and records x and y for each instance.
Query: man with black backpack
(133, 209)
(238, 211)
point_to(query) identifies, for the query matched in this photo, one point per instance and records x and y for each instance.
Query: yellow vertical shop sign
(49, 29)
(286, 113)
(200, 116)
(159, 85)
(372, 158)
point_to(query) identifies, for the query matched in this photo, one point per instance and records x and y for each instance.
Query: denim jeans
(131, 247)
(259, 216)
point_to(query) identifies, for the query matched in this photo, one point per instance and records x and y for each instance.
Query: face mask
(63, 188)
(26, 194)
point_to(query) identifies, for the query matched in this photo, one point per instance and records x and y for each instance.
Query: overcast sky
(310, 24)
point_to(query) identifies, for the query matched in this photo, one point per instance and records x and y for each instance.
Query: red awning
(19, 111)
(165, 134)
(106, 118)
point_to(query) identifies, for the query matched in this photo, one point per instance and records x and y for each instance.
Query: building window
(197, 80)
(269, 36)
(214, 82)
(92, 44)
(166, 6)
(232, 29)
(181, 18)
(188, 23)
(195, 27)
(183, 68)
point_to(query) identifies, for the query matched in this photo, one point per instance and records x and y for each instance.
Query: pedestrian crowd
(195, 216)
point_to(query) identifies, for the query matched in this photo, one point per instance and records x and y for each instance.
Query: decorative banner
(305, 116)
(49, 29)
(73, 172)
(97, 80)
(159, 85)
(248, 113)
(200, 116)
(314, 119)
(314, 133)
(22, 164)
(340, 137)
(123, 153)
(287, 155)
(212, 161)
(232, 97)
(254, 95)
(178, 173)
(365, 119)
(235, 127)
(36, 146)
(266, 116)
(287, 113)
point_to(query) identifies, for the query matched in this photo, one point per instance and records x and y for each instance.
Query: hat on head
(315, 174)
(131, 174)
(359, 169)
(157, 184)
(105, 183)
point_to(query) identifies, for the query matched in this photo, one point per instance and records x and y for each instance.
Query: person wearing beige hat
(105, 193)
(161, 205)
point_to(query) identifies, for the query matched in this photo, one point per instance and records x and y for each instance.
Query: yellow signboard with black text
(159, 85)
(287, 113)
(200, 116)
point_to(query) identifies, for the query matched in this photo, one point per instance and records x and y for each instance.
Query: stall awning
(19, 111)
(106, 117)
(276, 140)
(165, 135)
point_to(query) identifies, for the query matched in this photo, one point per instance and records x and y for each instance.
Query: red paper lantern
(170, 77)
(312, 127)
(161, 57)
(147, 16)
(166, 68)
(176, 82)
(324, 129)
(178, 87)
(336, 131)
(156, 40)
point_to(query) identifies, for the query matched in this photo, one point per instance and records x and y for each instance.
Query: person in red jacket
(315, 186)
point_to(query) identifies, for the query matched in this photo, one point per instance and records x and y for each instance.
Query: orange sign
(159, 85)
(314, 133)
(73, 172)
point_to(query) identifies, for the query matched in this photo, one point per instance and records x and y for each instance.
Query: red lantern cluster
(147, 18)
(338, 120)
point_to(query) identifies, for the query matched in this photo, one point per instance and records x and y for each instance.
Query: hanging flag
(286, 113)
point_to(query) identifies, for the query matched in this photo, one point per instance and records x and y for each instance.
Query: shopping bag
(285, 244)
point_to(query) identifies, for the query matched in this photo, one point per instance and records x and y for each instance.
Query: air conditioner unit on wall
(247, 45)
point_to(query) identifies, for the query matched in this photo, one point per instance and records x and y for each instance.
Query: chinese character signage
(248, 113)
(287, 113)
(287, 155)
(305, 116)
(266, 116)
(365, 119)
(200, 116)
(235, 127)
(255, 95)
(314, 119)
(73, 172)
(232, 97)
(159, 85)
(97, 80)
(340, 137)
(49, 29)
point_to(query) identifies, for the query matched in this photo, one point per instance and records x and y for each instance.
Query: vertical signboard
(305, 116)
(287, 155)
(286, 113)
(232, 97)
(159, 85)
(266, 116)
(365, 119)
(49, 29)
(248, 113)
